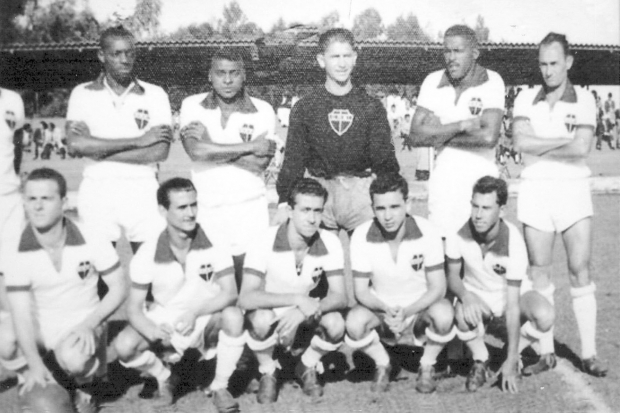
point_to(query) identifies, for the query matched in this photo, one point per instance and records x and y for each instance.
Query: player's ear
(162, 211)
(65, 203)
(502, 211)
(289, 211)
(320, 57)
(408, 203)
(476, 53)
(569, 62)
(354, 57)
(100, 56)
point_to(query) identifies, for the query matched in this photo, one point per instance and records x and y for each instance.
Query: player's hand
(509, 375)
(262, 146)
(159, 133)
(36, 373)
(474, 310)
(161, 332)
(78, 128)
(280, 217)
(195, 130)
(470, 125)
(184, 324)
(310, 307)
(82, 338)
(287, 324)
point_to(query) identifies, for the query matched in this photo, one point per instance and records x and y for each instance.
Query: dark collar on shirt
(98, 85)
(29, 242)
(282, 244)
(243, 104)
(499, 247)
(163, 251)
(569, 95)
(474, 78)
(412, 231)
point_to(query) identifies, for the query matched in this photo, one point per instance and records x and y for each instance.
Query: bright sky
(516, 21)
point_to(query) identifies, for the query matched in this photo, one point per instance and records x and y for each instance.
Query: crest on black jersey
(417, 262)
(83, 269)
(142, 118)
(475, 106)
(10, 119)
(570, 121)
(340, 120)
(316, 275)
(206, 272)
(246, 132)
(499, 269)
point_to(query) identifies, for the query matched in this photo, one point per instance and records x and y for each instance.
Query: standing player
(459, 112)
(282, 268)
(122, 125)
(226, 134)
(399, 280)
(51, 275)
(554, 125)
(340, 136)
(491, 254)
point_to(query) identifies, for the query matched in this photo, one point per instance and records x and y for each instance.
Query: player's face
(554, 64)
(338, 61)
(485, 212)
(43, 203)
(306, 214)
(390, 210)
(459, 56)
(181, 214)
(118, 57)
(227, 78)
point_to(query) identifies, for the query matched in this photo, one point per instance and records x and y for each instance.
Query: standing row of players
(340, 137)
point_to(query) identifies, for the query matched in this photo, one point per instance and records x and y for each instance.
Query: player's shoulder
(513, 231)
(434, 78)
(151, 88)
(330, 240)
(494, 77)
(427, 228)
(10, 95)
(360, 233)
(261, 104)
(584, 96)
(194, 99)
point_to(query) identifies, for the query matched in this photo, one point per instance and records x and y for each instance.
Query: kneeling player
(51, 275)
(399, 281)
(194, 293)
(491, 253)
(281, 269)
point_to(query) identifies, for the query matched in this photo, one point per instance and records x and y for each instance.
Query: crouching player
(281, 269)
(51, 278)
(194, 294)
(399, 282)
(491, 254)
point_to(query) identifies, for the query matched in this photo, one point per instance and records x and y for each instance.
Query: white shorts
(162, 315)
(497, 300)
(109, 205)
(554, 205)
(234, 226)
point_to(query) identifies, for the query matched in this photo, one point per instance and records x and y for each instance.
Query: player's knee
(232, 321)
(579, 272)
(356, 323)
(72, 359)
(126, 345)
(260, 323)
(8, 343)
(334, 325)
(544, 317)
(442, 316)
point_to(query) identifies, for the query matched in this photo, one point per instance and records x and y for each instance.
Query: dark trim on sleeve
(333, 273)
(516, 118)
(17, 288)
(139, 286)
(252, 271)
(585, 126)
(453, 260)
(435, 267)
(111, 269)
(225, 272)
(359, 274)
(514, 283)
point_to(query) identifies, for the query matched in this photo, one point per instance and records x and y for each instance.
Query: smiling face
(306, 214)
(227, 78)
(485, 212)
(459, 55)
(182, 211)
(390, 210)
(118, 58)
(554, 64)
(338, 61)
(43, 203)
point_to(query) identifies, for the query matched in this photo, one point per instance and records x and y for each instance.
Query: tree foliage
(407, 29)
(482, 31)
(193, 32)
(235, 22)
(367, 25)
(329, 21)
(144, 23)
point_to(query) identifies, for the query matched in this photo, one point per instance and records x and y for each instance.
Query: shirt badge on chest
(246, 132)
(83, 269)
(570, 121)
(142, 118)
(316, 275)
(417, 262)
(340, 120)
(206, 272)
(475, 106)
(10, 119)
(499, 269)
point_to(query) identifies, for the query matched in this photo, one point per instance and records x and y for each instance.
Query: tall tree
(278, 26)
(329, 21)
(367, 24)
(407, 29)
(192, 32)
(145, 21)
(235, 22)
(482, 32)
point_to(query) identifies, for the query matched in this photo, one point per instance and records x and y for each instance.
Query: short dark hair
(172, 184)
(49, 174)
(488, 184)
(227, 53)
(114, 31)
(335, 35)
(391, 182)
(553, 38)
(463, 31)
(306, 186)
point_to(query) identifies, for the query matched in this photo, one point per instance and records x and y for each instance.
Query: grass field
(564, 389)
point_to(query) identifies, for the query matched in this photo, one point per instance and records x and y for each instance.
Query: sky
(514, 21)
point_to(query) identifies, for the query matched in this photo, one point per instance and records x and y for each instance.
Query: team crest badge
(142, 118)
(206, 272)
(570, 121)
(417, 262)
(340, 120)
(10, 118)
(499, 269)
(316, 275)
(475, 106)
(299, 268)
(246, 132)
(83, 269)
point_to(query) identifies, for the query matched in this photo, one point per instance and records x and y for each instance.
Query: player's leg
(539, 316)
(11, 357)
(262, 340)
(361, 325)
(473, 337)
(577, 240)
(437, 324)
(327, 338)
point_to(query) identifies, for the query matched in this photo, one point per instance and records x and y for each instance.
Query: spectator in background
(47, 141)
(58, 141)
(610, 121)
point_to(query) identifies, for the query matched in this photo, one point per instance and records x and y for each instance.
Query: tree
(278, 27)
(8, 11)
(407, 29)
(329, 21)
(235, 22)
(144, 23)
(367, 25)
(193, 32)
(482, 32)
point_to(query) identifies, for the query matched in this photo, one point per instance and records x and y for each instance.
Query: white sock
(474, 340)
(15, 364)
(371, 345)
(229, 351)
(584, 306)
(148, 363)
(529, 334)
(316, 350)
(434, 344)
(264, 353)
